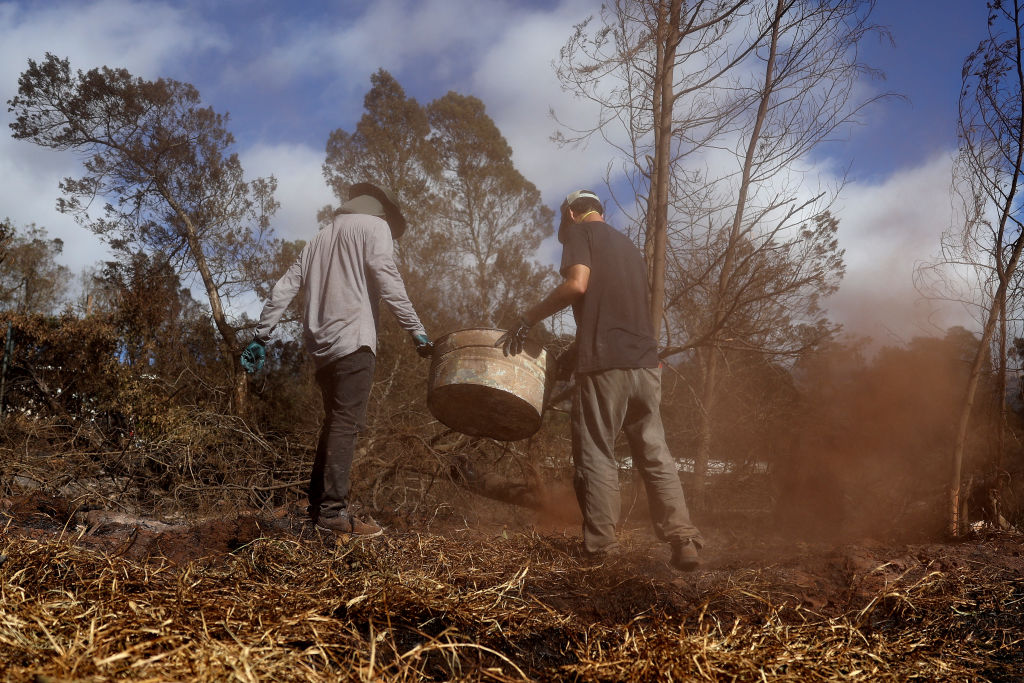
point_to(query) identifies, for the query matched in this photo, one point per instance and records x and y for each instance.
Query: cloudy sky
(290, 73)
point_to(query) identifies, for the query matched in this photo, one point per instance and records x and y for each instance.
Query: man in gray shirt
(347, 269)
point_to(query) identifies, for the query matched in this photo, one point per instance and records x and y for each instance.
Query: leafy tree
(6, 234)
(390, 145)
(491, 217)
(162, 161)
(475, 222)
(31, 280)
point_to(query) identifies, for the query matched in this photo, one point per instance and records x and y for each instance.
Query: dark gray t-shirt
(613, 319)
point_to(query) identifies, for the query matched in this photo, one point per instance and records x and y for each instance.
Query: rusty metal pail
(476, 390)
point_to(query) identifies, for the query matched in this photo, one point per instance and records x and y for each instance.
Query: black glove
(513, 340)
(424, 346)
(254, 356)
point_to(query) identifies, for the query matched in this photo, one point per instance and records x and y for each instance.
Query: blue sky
(290, 73)
(922, 64)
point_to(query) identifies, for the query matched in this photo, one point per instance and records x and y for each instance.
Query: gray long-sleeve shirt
(348, 268)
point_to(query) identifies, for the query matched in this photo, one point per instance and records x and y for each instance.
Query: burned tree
(721, 102)
(31, 280)
(489, 216)
(161, 163)
(980, 260)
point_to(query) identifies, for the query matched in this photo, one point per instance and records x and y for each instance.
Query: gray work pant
(345, 386)
(627, 400)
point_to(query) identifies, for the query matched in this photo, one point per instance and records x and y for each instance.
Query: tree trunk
(957, 520)
(229, 344)
(657, 201)
(725, 277)
(704, 432)
(1001, 389)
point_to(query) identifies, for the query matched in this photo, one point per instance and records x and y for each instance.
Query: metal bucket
(475, 389)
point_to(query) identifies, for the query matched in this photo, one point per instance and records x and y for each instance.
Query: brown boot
(347, 524)
(684, 556)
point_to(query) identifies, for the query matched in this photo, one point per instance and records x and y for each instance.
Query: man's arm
(382, 268)
(577, 278)
(282, 294)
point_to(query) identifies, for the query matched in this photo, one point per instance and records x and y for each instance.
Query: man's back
(347, 268)
(613, 317)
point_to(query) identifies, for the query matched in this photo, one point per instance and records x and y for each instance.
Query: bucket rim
(540, 347)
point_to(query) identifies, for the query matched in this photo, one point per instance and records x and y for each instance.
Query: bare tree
(162, 162)
(748, 252)
(655, 69)
(980, 259)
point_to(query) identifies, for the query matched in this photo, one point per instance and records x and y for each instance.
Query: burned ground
(97, 595)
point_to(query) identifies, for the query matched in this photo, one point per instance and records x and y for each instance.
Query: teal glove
(254, 356)
(424, 346)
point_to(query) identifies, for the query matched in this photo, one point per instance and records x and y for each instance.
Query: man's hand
(424, 346)
(512, 341)
(254, 356)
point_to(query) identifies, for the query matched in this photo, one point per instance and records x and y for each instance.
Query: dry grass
(501, 606)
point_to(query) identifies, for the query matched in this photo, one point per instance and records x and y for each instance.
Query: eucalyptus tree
(160, 163)
(475, 221)
(390, 145)
(492, 218)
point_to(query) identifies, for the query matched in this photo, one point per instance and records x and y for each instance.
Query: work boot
(348, 524)
(609, 552)
(684, 556)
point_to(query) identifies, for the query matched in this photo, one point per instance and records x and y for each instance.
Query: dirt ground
(948, 596)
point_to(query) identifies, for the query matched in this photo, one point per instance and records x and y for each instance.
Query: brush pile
(269, 598)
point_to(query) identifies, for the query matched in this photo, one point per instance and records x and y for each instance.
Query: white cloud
(141, 36)
(498, 51)
(431, 39)
(301, 189)
(517, 83)
(887, 229)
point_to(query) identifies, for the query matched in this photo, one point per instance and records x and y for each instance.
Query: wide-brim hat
(376, 201)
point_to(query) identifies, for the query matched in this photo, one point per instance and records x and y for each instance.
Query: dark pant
(629, 401)
(345, 385)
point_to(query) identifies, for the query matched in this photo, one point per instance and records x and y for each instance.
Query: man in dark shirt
(618, 380)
